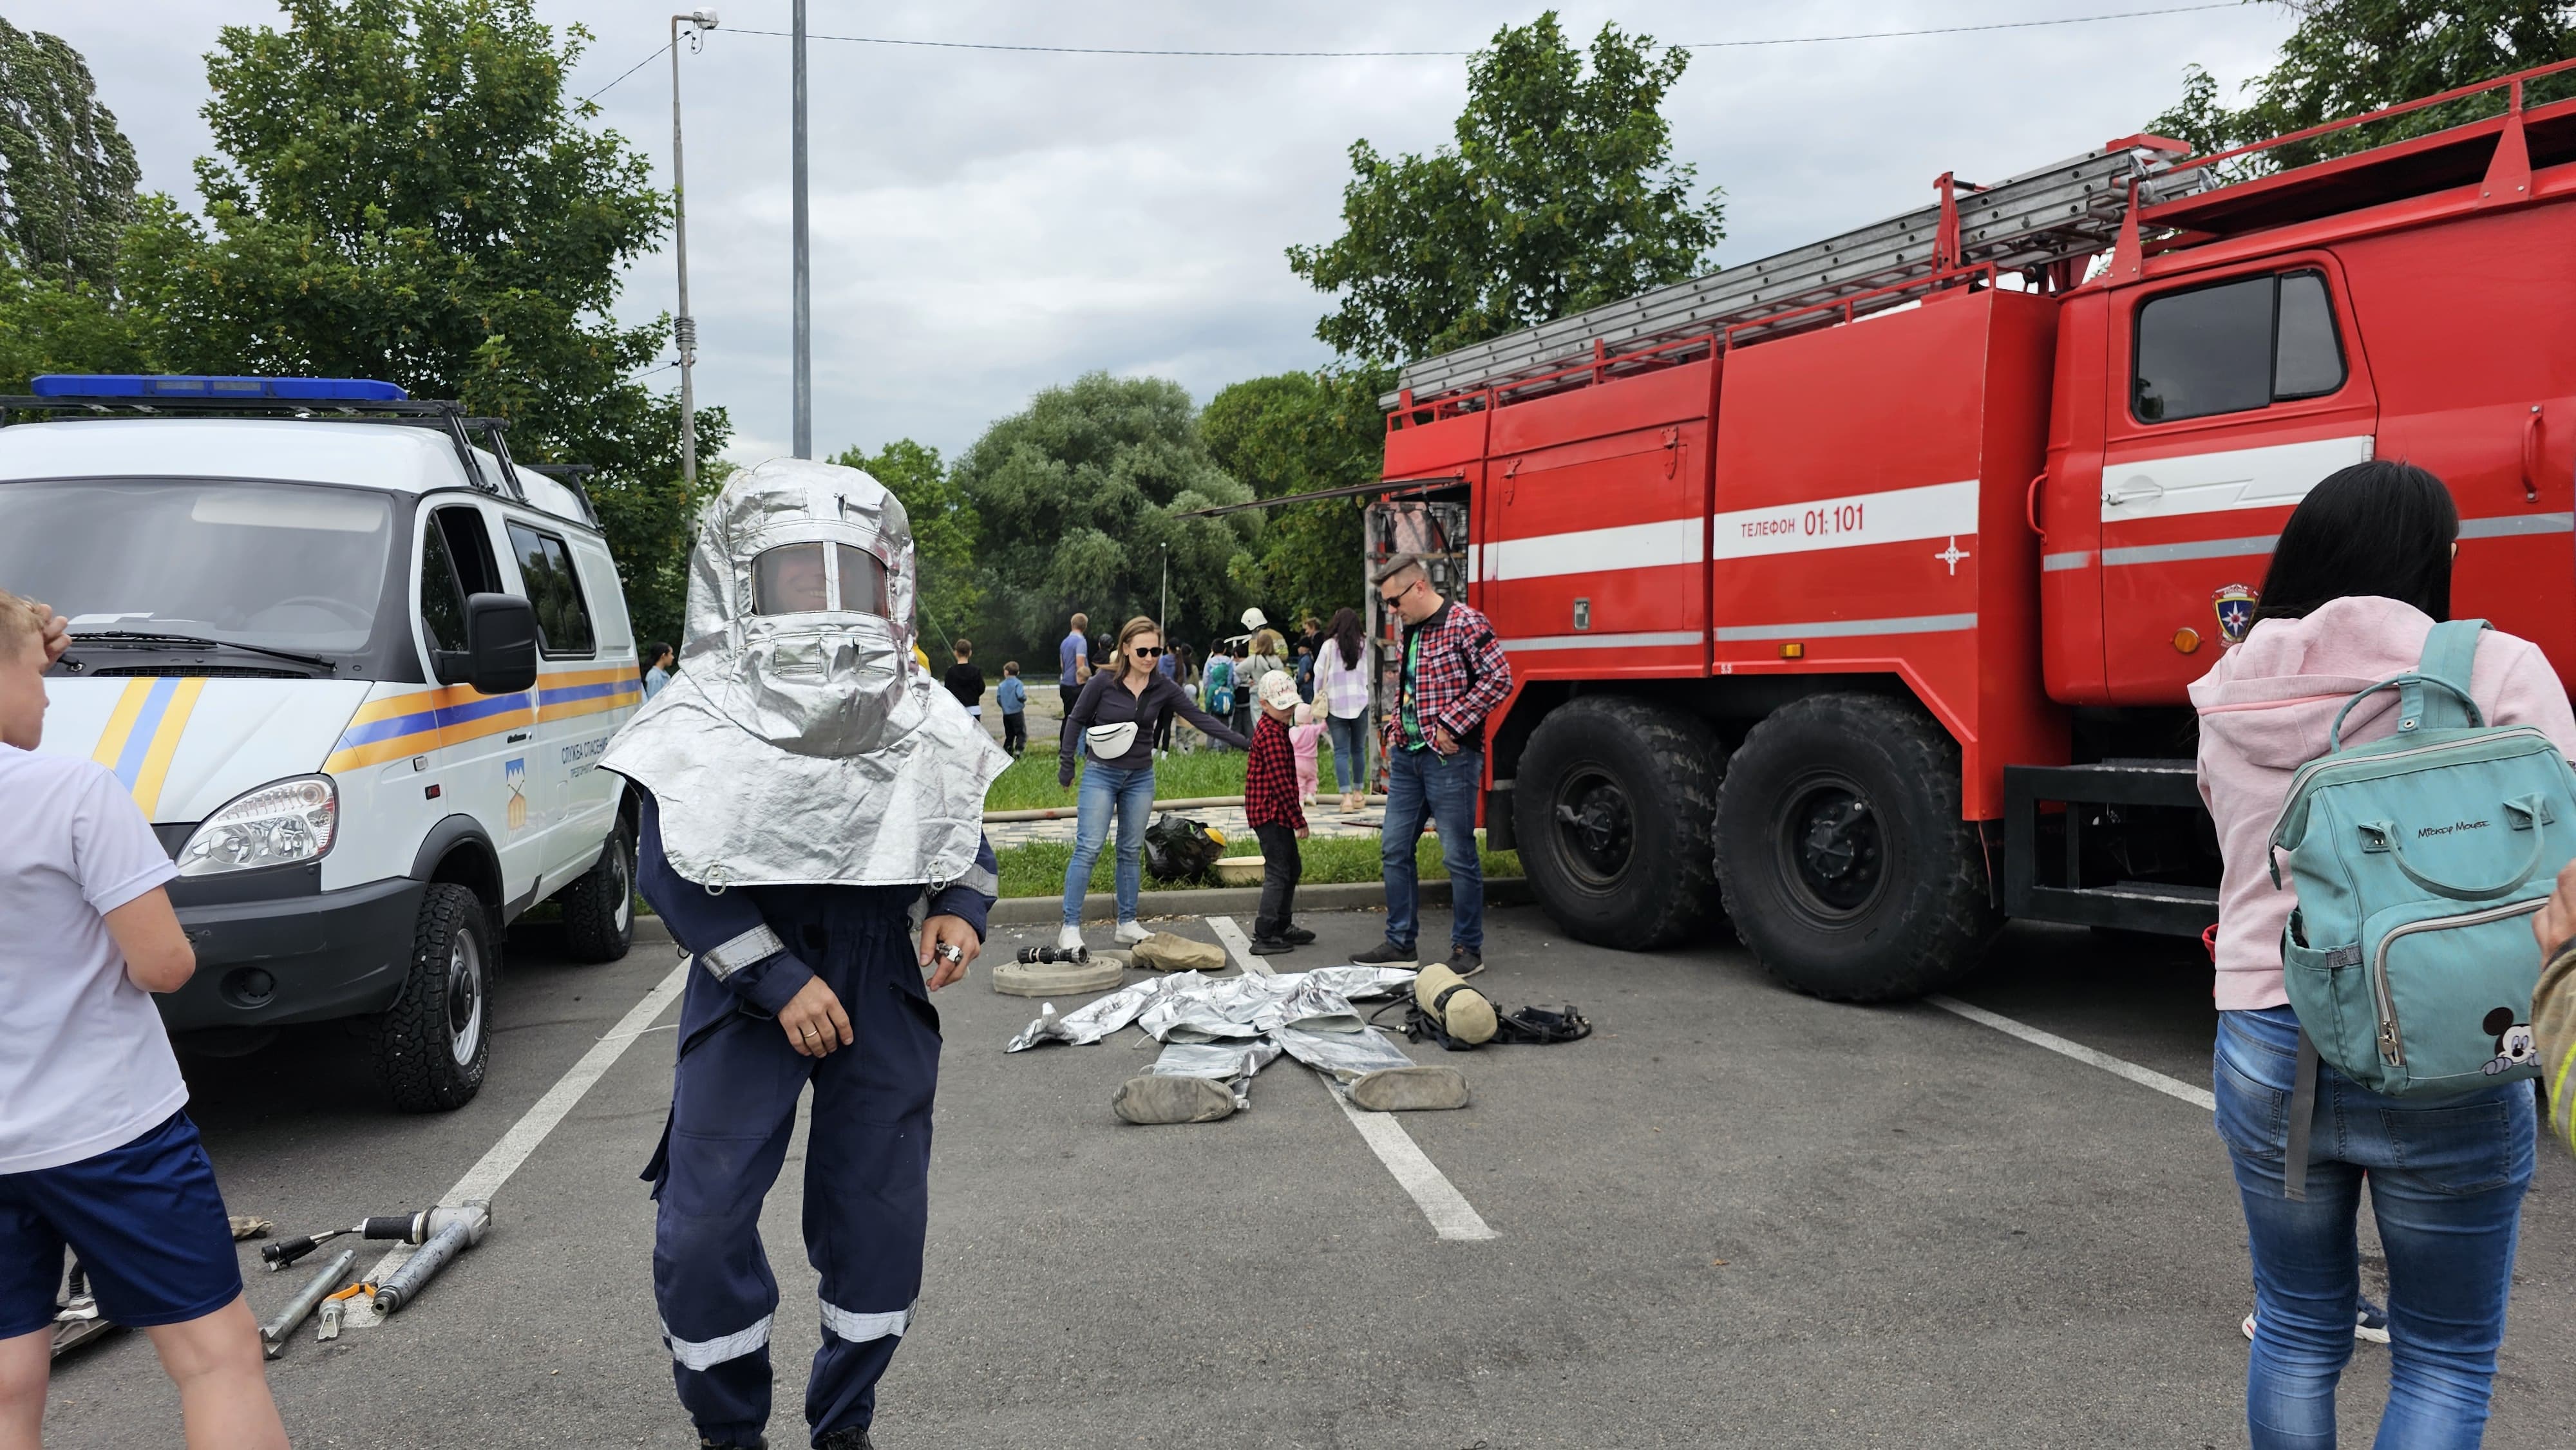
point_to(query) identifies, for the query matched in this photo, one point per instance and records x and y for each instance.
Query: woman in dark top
(1113, 724)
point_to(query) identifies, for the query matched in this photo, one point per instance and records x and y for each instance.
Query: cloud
(985, 224)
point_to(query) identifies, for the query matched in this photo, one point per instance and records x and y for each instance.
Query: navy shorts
(146, 1221)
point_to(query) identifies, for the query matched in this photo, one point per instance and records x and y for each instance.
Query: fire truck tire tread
(410, 1041)
(1931, 918)
(1669, 763)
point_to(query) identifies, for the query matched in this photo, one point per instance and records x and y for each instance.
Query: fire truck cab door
(2233, 394)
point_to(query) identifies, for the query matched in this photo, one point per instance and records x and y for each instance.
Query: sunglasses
(1398, 594)
(1147, 650)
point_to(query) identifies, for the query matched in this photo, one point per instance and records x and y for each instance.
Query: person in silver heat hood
(805, 788)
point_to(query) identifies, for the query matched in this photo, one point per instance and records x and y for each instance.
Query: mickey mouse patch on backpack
(2515, 1044)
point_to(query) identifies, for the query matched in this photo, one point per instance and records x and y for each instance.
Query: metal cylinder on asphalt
(463, 1227)
(273, 1334)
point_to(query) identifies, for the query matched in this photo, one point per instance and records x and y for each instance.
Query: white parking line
(2146, 1077)
(1451, 1215)
(495, 1167)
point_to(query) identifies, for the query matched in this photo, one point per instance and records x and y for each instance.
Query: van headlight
(282, 822)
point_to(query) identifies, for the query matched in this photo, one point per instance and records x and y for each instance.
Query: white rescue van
(357, 668)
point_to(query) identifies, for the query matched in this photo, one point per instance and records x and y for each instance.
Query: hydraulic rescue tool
(272, 1335)
(408, 1228)
(451, 1236)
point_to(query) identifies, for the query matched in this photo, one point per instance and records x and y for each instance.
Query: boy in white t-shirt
(95, 1152)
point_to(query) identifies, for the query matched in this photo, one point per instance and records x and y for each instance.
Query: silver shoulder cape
(738, 811)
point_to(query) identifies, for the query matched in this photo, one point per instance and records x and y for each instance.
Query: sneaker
(756, 1443)
(1069, 939)
(1271, 946)
(1466, 961)
(1129, 933)
(2369, 1323)
(1385, 954)
(1297, 936)
(854, 1437)
(1155, 1099)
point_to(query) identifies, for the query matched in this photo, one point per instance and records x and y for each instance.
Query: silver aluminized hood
(798, 741)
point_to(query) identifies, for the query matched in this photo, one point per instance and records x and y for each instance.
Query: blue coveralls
(733, 1106)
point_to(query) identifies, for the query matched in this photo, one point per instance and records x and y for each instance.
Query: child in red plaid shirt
(1270, 806)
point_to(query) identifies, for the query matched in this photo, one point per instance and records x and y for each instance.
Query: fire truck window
(2308, 359)
(2205, 351)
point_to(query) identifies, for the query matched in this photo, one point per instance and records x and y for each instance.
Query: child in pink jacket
(2358, 578)
(1301, 738)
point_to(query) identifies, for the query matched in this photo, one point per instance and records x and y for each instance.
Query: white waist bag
(1108, 742)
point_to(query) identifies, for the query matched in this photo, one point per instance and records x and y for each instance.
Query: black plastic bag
(1178, 848)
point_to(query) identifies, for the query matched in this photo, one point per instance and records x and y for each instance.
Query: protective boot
(1462, 1012)
(1156, 1099)
(1410, 1089)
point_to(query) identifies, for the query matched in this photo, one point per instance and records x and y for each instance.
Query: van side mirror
(501, 643)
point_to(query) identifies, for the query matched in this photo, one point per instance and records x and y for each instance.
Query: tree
(67, 174)
(404, 192)
(944, 531)
(1079, 497)
(2350, 56)
(1560, 194)
(1300, 433)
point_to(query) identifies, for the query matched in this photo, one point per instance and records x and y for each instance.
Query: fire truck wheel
(1843, 860)
(1614, 805)
(599, 906)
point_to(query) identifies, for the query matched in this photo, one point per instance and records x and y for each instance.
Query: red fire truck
(1852, 593)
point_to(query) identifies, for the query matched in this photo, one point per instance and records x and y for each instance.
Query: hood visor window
(863, 581)
(789, 580)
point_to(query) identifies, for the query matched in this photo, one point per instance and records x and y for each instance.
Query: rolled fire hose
(1461, 1010)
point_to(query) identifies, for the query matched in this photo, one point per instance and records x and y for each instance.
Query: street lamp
(684, 327)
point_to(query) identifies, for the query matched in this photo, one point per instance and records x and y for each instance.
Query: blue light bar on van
(145, 385)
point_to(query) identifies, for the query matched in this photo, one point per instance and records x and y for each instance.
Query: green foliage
(1078, 496)
(1300, 433)
(2351, 56)
(944, 531)
(67, 174)
(1560, 194)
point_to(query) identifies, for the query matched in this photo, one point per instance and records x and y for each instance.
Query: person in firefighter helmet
(804, 786)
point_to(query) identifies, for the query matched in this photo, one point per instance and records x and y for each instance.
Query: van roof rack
(129, 396)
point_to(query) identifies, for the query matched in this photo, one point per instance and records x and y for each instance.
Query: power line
(1380, 54)
(630, 70)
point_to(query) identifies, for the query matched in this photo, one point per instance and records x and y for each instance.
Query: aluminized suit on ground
(804, 787)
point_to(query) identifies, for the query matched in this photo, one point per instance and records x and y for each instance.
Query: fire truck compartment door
(2231, 398)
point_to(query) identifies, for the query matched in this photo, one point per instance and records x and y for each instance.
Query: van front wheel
(433, 1045)
(599, 906)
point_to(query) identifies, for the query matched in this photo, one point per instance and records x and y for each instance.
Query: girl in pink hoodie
(2358, 578)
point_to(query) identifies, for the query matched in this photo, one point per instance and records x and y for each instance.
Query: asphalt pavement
(1734, 1216)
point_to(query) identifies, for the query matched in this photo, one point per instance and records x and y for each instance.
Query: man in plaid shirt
(1454, 675)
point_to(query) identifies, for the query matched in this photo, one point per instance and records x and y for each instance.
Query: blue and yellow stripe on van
(419, 721)
(143, 733)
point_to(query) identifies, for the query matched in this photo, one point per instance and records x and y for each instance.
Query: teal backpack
(2419, 861)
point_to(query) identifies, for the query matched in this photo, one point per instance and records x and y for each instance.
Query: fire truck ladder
(2041, 220)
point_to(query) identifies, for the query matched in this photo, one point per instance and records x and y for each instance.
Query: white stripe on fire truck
(2079, 559)
(1844, 628)
(1891, 516)
(1588, 551)
(1648, 640)
(2195, 549)
(2272, 476)
(2507, 525)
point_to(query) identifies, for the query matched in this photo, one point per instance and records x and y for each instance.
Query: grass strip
(1037, 869)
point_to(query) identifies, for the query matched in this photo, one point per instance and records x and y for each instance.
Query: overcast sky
(988, 223)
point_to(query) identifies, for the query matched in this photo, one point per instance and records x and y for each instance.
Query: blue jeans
(2446, 1177)
(1350, 751)
(1130, 795)
(1420, 785)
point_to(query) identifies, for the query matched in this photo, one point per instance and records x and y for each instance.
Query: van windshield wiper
(140, 637)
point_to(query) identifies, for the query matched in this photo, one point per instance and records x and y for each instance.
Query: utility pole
(804, 283)
(685, 327)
